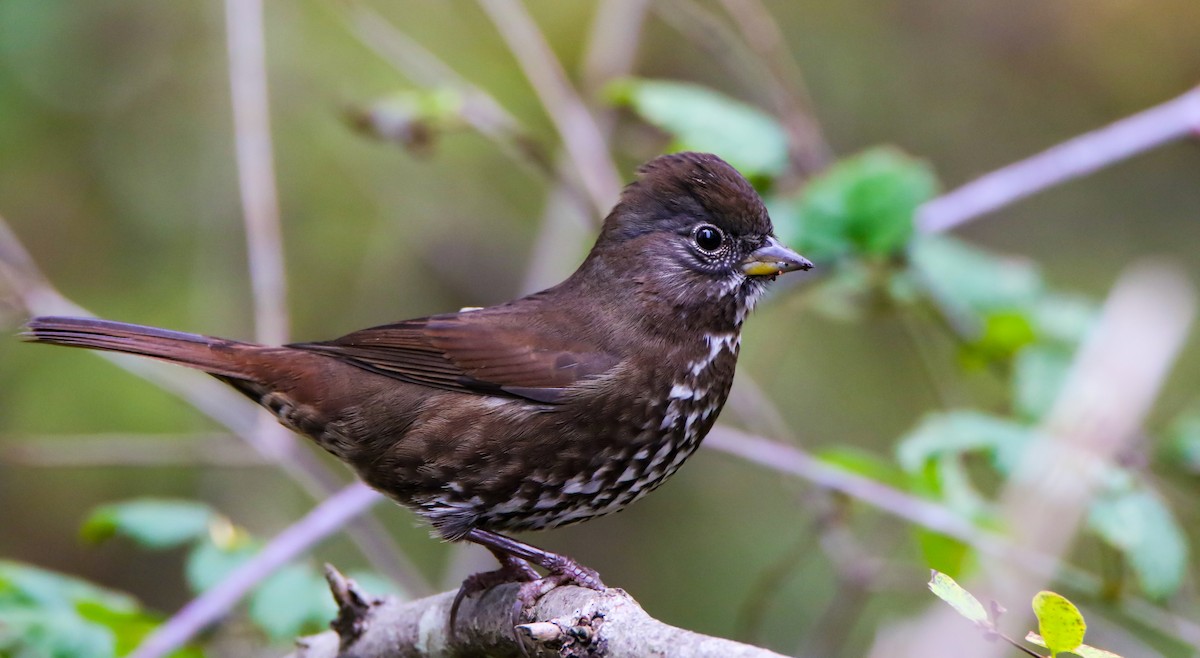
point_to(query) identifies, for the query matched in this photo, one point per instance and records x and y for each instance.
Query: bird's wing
(472, 352)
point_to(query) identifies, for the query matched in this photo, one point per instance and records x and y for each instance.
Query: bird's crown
(682, 188)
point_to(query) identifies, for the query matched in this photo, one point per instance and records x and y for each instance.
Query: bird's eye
(708, 237)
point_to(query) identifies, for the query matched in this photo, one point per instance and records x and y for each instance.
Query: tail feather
(216, 356)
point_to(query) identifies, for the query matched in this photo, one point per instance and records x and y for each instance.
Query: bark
(567, 622)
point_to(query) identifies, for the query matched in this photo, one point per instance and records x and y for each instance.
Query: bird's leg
(561, 570)
(565, 570)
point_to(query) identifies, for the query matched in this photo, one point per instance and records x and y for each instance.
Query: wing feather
(477, 351)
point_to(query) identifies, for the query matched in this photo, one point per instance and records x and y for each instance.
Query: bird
(548, 410)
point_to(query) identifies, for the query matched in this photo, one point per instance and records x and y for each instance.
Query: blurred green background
(117, 172)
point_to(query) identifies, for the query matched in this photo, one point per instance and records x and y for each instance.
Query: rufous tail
(216, 356)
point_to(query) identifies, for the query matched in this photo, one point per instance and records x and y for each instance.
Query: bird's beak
(774, 258)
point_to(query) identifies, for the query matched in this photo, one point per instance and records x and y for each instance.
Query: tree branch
(579, 622)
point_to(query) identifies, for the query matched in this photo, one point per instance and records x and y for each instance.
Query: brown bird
(551, 409)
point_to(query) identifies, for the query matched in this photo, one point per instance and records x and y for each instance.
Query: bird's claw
(511, 570)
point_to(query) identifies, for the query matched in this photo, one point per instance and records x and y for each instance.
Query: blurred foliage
(46, 614)
(924, 363)
(294, 600)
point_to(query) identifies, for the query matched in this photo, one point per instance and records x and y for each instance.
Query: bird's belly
(625, 460)
(631, 463)
(512, 470)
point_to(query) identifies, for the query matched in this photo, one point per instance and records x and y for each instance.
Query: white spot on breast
(717, 343)
(669, 419)
(581, 485)
(630, 473)
(661, 454)
(685, 392)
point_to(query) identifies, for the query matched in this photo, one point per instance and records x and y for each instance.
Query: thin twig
(754, 68)
(611, 52)
(793, 104)
(260, 212)
(256, 168)
(1076, 157)
(325, 519)
(480, 110)
(576, 126)
(791, 460)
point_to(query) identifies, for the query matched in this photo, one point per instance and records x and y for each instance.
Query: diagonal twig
(581, 136)
(1175, 119)
(786, 87)
(256, 168)
(480, 110)
(265, 254)
(325, 519)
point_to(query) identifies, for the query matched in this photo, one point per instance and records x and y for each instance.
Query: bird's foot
(560, 570)
(563, 571)
(512, 570)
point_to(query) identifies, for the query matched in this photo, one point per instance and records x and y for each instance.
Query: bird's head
(692, 232)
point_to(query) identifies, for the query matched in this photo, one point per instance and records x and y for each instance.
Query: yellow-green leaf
(964, 602)
(1060, 623)
(1081, 650)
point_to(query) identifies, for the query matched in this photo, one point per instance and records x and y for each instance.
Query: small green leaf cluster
(1061, 626)
(413, 118)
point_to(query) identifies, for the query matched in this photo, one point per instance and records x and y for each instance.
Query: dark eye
(709, 238)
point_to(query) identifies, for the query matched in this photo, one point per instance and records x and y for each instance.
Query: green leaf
(156, 524)
(1139, 525)
(34, 633)
(1081, 650)
(961, 600)
(701, 119)
(1004, 334)
(863, 204)
(943, 553)
(954, 485)
(25, 585)
(1183, 442)
(1092, 652)
(208, 563)
(1065, 318)
(128, 627)
(867, 464)
(1059, 622)
(960, 432)
(293, 601)
(43, 613)
(972, 281)
(1038, 376)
